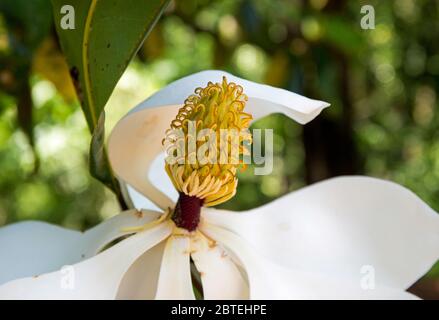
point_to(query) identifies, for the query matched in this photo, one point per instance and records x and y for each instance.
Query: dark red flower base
(187, 212)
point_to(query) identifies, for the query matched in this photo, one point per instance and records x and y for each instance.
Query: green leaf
(107, 35)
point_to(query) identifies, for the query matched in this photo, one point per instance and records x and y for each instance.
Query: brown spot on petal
(147, 126)
(138, 214)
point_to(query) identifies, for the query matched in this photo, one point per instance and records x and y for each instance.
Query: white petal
(263, 99)
(342, 226)
(161, 181)
(134, 144)
(175, 275)
(140, 281)
(220, 276)
(96, 278)
(31, 248)
(137, 139)
(270, 281)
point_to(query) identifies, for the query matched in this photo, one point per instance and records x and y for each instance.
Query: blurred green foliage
(382, 84)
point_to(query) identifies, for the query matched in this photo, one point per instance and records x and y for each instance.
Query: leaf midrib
(85, 62)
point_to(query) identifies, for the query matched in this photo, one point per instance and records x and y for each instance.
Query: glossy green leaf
(106, 36)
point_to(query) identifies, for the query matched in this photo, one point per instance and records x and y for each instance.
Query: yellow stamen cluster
(216, 107)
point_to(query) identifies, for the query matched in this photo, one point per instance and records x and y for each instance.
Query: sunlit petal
(159, 177)
(268, 280)
(262, 99)
(141, 279)
(342, 227)
(220, 276)
(175, 275)
(96, 278)
(32, 247)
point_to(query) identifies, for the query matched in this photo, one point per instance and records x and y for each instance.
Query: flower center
(187, 212)
(204, 146)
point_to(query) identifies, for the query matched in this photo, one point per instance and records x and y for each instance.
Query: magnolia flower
(344, 238)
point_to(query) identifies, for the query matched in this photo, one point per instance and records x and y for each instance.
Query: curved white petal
(341, 227)
(175, 275)
(141, 279)
(268, 280)
(161, 181)
(31, 248)
(132, 147)
(96, 278)
(262, 99)
(137, 139)
(220, 276)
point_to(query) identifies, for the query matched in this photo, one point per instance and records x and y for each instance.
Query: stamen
(149, 225)
(216, 107)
